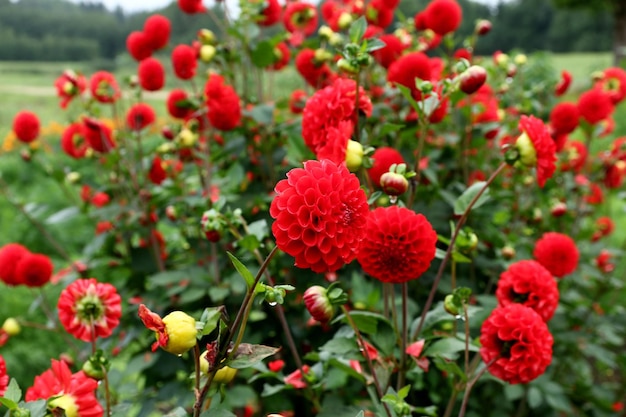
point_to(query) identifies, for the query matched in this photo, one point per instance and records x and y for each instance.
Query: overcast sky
(140, 5)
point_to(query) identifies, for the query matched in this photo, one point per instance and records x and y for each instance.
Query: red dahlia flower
(74, 393)
(98, 135)
(10, 256)
(383, 159)
(26, 126)
(316, 73)
(443, 16)
(177, 104)
(595, 105)
(4, 378)
(613, 82)
(157, 29)
(379, 13)
(296, 379)
(103, 87)
(530, 284)
(300, 18)
(407, 68)
(157, 173)
(564, 118)
(191, 6)
(282, 56)
(224, 109)
(557, 253)
(575, 156)
(138, 45)
(516, 344)
(297, 101)
(151, 74)
(72, 141)
(603, 261)
(69, 85)
(184, 62)
(398, 245)
(328, 119)
(563, 85)
(140, 116)
(320, 213)
(536, 148)
(605, 225)
(89, 309)
(34, 270)
(270, 13)
(390, 52)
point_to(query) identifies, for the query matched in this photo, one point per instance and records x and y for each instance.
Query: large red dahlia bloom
(320, 213)
(151, 74)
(74, 393)
(557, 253)
(191, 6)
(4, 378)
(530, 284)
(224, 109)
(26, 126)
(300, 18)
(595, 105)
(176, 104)
(34, 270)
(87, 303)
(516, 344)
(184, 62)
(443, 16)
(564, 118)
(270, 14)
(10, 256)
(407, 68)
(398, 245)
(328, 118)
(104, 87)
(140, 116)
(542, 150)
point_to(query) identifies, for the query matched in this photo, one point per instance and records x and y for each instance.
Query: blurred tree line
(57, 30)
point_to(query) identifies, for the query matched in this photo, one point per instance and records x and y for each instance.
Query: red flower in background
(317, 74)
(138, 45)
(69, 85)
(4, 378)
(575, 156)
(74, 393)
(390, 52)
(270, 14)
(296, 379)
(184, 62)
(297, 101)
(10, 256)
(407, 68)
(282, 55)
(613, 83)
(564, 118)
(191, 6)
(174, 106)
(564, 83)
(157, 173)
(530, 284)
(72, 141)
(26, 126)
(157, 29)
(224, 109)
(398, 245)
(557, 253)
(89, 309)
(34, 270)
(320, 213)
(151, 74)
(383, 159)
(139, 116)
(103, 87)
(98, 135)
(543, 145)
(603, 261)
(516, 344)
(300, 19)
(595, 105)
(379, 13)
(443, 16)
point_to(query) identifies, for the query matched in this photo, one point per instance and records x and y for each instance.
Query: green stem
(470, 385)
(404, 335)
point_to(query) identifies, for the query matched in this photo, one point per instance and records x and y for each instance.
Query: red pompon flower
(316, 74)
(157, 29)
(604, 226)
(443, 16)
(69, 85)
(296, 379)
(10, 256)
(72, 141)
(34, 270)
(419, 20)
(282, 56)
(557, 253)
(407, 68)
(191, 6)
(74, 393)
(516, 344)
(390, 52)
(89, 309)
(270, 14)
(595, 105)
(98, 135)
(530, 284)
(177, 104)
(320, 213)
(575, 153)
(224, 109)
(151, 74)
(138, 45)
(157, 173)
(603, 261)
(276, 366)
(328, 118)
(184, 62)
(564, 118)
(383, 158)
(103, 87)
(564, 83)
(537, 148)
(300, 18)
(140, 116)
(379, 13)
(297, 101)
(100, 199)
(398, 245)
(26, 126)
(613, 82)
(4, 378)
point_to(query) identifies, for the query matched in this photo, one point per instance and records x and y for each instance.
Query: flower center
(89, 309)
(519, 298)
(505, 350)
(67, 403)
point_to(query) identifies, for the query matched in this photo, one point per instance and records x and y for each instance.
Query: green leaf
(429, 104)
(11, 405)
(217, 412)
(340, 346)
(248, 355)
(448, 348)
(13, 392)
(360, 414)
(263, 55)
(177, 412)
(404, 392)
(366, 321)
(430, 411)
(388, 128)
(463, 202)
(263, 114)
(450, 367)
(434, 316)
(243, 271)
(36, 408)
(62, 216)
(535, 399)
(374, 45)
(357, 29)
(272, 389)
(209, 320)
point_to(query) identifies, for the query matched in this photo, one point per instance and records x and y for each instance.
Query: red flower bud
(483, 27)
(317, 302)
(472, 79)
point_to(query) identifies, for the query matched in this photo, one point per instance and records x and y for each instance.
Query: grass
(581, 65)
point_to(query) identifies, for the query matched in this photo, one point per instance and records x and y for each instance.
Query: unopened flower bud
(11, 327)
(482, 27)
(346, 66)
(72, 177)
(520, 59)
(171, 213)
(207, 52)
(508, 252)
(186, 138)
(354, 155)
(394, 184)
(167, 133)
(181, 331)
(206, 36)
(317, 303)
(472, 79)
(450, 306)
(224, 375)
(526, 149)
(558, 209)
(344, 20)
(322, 55)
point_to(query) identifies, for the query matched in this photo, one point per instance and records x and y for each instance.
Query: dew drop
(273, 303)
(393, 199)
